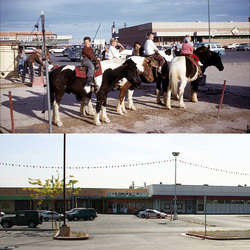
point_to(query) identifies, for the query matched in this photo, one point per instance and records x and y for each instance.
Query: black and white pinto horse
(183, 69)
(63, 80)
(160, 79)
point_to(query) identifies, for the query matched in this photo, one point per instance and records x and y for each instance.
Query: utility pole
(47, 72)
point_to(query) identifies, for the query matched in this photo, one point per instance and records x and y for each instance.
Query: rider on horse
(151, 50)
(187, 50)
(88, 56)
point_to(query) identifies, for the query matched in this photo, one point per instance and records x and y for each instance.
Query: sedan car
(57, 50)
(66, 52)
(47, 215)
(75, 54)
(232, 46)
(151, 213)
(243, 46)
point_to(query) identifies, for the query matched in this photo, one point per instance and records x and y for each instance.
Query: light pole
(175, 154)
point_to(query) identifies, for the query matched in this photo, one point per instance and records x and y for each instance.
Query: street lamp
(175, 154)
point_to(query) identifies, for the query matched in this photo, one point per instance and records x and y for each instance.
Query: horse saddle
(82, 70)
(154, 63)
(193, 61)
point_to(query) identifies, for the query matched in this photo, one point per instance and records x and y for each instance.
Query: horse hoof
(107, 120)
(98, 123)
(120, 113)
(59, 124)
(168, 107)
(183, 106)
(132, 108)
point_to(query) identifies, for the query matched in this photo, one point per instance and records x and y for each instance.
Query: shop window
(167, 206)
(179, 206)
(110, 205)
(200, 207)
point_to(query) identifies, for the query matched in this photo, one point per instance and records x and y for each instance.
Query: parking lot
(129, 232)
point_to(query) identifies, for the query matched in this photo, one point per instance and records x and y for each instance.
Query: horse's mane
(202, 49)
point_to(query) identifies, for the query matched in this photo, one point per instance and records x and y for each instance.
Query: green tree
(52, 187)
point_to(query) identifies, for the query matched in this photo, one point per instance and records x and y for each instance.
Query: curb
(214, 238)
(56, 237)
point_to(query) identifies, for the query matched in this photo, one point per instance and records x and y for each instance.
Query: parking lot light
(175, 154)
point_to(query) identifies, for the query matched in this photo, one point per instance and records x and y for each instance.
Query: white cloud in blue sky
(80, 18)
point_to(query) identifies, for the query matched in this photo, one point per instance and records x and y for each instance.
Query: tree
(51, 188)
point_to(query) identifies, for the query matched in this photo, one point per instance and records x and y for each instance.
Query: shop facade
(103, 200)
(193, 199)
(167, 33)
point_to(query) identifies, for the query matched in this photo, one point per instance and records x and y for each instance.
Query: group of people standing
(27, 63)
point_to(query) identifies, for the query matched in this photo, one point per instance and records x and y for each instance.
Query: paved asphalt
(129, 232)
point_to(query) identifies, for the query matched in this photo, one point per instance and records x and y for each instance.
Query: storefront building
(167, 33)
(103, 200)
(191, 198)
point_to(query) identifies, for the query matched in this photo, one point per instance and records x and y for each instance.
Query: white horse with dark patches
(184, 70)
(64, 80)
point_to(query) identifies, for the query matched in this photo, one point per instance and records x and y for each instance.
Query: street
(130, 232)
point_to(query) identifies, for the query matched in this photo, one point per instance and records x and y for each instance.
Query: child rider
(87, 53)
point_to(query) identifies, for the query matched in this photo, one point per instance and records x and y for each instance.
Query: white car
(47, 215)
(57, 50)
(232, 46)
(127, 52)
(151, 213)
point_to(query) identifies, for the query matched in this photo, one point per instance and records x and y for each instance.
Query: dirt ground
(149, 117)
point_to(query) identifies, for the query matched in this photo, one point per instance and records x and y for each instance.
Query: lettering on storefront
(127, 194)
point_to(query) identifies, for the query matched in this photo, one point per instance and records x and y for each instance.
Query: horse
(182, 68)
(160, 79)
(64, 80)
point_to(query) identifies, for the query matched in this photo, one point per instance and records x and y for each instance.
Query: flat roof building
(168, 32)
(190, 198)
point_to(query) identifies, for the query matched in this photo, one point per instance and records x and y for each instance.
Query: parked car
(82, 213)
(29, 50)
(47, 215)
(30, 218)
(138, 211)
(232, 46)
(151, 213)
(243, 46)
(71, 210)
(2, 214)
(57, 50)
(213, 46)
(75, 54)
(127, 52)
(66, 52)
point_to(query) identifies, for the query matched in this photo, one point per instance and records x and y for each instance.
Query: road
(129, 232)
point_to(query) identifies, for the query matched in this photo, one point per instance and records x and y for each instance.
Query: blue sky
(227, 152)
(81, 18)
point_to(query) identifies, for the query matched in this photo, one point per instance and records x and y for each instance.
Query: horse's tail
(52, 95)
(173, 79)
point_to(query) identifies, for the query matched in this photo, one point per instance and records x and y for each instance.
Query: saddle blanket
(82, 73)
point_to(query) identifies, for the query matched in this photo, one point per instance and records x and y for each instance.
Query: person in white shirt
(112, 52)
(151, 50)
